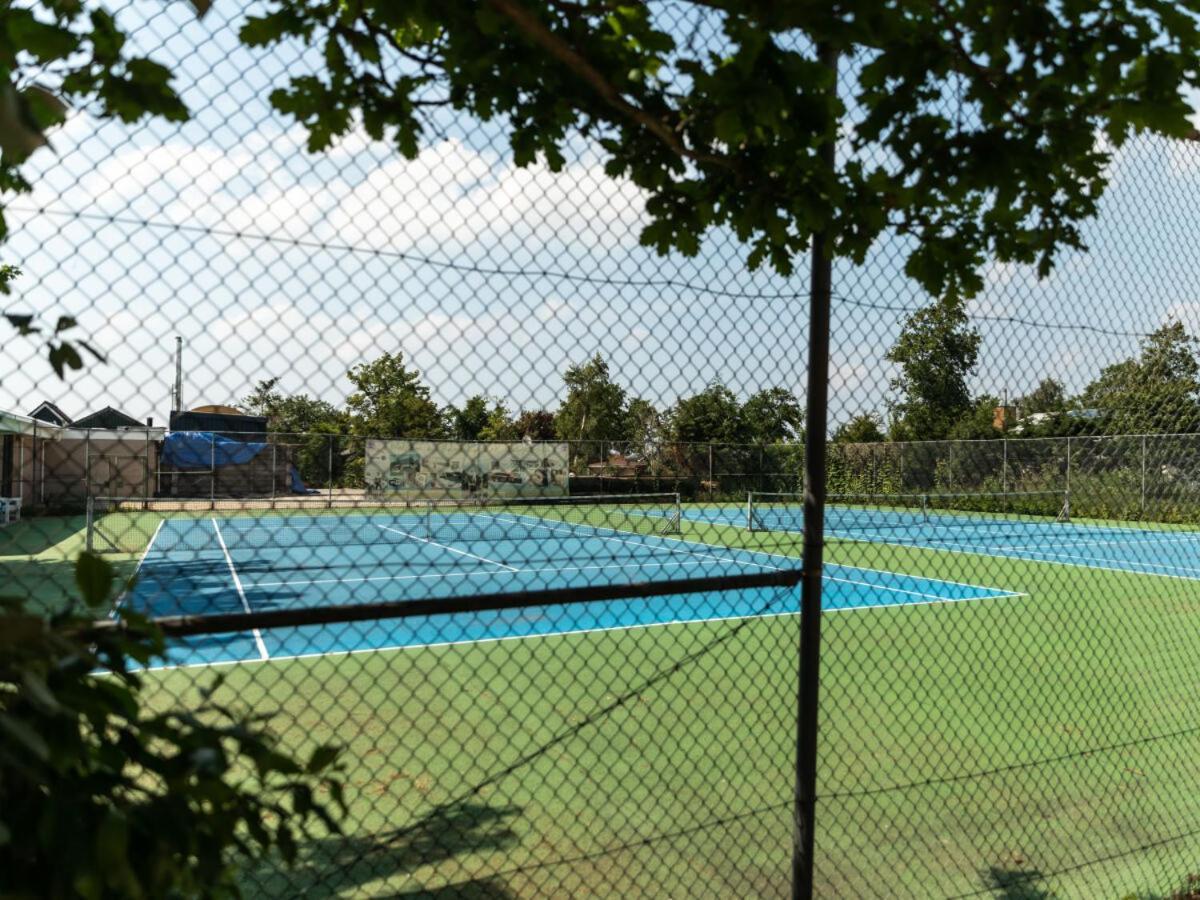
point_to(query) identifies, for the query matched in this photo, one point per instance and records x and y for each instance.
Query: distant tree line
(598, 416)
(1157, 390)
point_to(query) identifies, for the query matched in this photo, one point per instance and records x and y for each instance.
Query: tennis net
(869, 512)
(123, 525)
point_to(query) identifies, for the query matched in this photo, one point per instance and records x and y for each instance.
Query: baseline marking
(237, 583)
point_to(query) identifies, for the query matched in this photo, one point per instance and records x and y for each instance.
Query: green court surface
(1042, 743)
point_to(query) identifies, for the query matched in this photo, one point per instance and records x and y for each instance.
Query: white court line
(141, 559)
(795, 560)
(827, 565)
(621, 540)
(435, 575)
(1128, 562)
(972, 550)
(1089, 542)
(451, 549)
(401, 648)
(237, 582)
(884, 587)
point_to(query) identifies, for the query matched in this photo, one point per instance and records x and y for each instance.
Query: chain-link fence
(451, 470)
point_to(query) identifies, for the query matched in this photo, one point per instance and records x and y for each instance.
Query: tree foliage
(466, 422)
(389, 400)
(978, 423)
(864, 428)
(594, 408)
(102, 797)
(962, 103)
(500, 425)
(294, 413)
(535, 425)
(713, 415)
(772, 416)
(1156, 391)
(936, 351)
(54, 54)
(1048, 396)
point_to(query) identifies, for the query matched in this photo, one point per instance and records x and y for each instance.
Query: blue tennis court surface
(1146, 551)
(230, 564)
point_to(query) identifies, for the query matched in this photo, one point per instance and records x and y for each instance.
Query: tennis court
(202, 564)
(1035, 527)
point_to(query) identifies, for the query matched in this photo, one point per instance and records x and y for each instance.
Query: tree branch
(539, 34)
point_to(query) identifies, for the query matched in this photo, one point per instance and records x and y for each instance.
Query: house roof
(617, 461)
(107, 418)
(48, 412)
(14, 423)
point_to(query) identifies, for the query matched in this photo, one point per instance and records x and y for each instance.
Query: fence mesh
(421, 381)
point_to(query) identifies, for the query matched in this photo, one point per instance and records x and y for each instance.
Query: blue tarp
(298, 486)
(183, 450)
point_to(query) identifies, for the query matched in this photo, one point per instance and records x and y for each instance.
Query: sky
(272, 262)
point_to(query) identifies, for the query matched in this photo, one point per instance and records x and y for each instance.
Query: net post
(677, 512)
(749, 510)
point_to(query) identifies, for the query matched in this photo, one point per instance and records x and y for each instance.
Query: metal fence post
(1068, 466)
(1004, 467)
(330, 501)
(808, 689)
(710, 472)
(212, 472)
(1143, 503)
(146, 468)
(87, 464)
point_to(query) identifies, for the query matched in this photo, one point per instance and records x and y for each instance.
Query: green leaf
(23, 323)
(38, 692)
(65, 356)
(24, 734)
(94, 576)
(112, 844)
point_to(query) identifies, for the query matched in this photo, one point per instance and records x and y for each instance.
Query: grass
(1035, 746)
